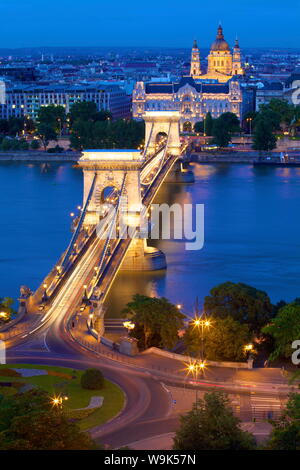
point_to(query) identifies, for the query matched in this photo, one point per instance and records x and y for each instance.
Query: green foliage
(281, 110)
(156, 320)
(285, 434)
(6, 309)
(121, 134)
(13, 144)
(46, 132)
(92, 379)
(52, 116)
(211, 425)
(284, 328)
(224, 340)
(263, 137)
(199, 127)
(208, 124)
(87, 111)
(221, 134)
(243, 303)
(29, 422)
(35, 145)
(230, 122)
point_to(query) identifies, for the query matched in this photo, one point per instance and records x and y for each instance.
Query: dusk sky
(26, 23)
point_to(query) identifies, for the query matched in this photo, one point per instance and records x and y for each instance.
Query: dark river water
(252, 231)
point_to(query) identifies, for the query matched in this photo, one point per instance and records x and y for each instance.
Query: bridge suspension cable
(79, 225)
(147, 144)
(107, 241)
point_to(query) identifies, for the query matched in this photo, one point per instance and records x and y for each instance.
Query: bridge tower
(162, 123)
(104, 170)
(118, 170)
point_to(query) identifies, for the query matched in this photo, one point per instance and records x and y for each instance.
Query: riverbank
(36, 156)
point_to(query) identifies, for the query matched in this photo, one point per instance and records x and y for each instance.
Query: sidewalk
(271, 378)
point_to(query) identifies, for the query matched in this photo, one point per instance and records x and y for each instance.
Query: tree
(224, 340)
(230, 121)
(243, 303)
(208, 124)
(199, 127)
(285, 434)
(283, 111)
(52, 116)
(87, 111)
(6, 309)
(263, 138)
(29, 422)
(92, 379)
(46, 133)
(156, 320)
(284, 328)
(107, 134)
(221, 134)
(35, 145)
(211, 425)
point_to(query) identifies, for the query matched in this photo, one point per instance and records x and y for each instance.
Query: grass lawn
(64, 381)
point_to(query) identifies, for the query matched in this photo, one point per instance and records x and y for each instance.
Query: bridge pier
(141, 257)
(181, 173)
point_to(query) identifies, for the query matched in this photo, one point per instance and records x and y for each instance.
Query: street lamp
(129, 326)
(45, 296)
(195, 368)
(57, 402)
(198, 322)
(249, 119)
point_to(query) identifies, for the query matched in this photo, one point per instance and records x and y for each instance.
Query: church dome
(220, 44)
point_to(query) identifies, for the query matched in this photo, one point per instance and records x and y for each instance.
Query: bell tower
(195, 61)
(237, 68)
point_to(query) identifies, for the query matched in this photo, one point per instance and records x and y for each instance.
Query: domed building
(222, 63)
(216, 92)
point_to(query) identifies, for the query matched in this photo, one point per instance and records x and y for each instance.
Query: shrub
(35, 145)
(92, 379)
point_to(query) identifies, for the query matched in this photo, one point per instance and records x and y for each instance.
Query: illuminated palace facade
(216, 91)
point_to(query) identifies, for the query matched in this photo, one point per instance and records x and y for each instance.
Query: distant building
(19, 73)
(217, 91)
(222, 63)
(26, 100)
(193, 100)
(267, 92)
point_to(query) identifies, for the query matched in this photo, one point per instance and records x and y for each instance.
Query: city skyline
(68, 24)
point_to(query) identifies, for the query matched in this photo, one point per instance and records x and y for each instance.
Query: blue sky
(26, 23)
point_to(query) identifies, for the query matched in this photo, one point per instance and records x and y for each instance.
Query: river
(252, 231)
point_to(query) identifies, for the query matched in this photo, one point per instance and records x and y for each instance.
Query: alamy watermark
(2, 352)
(157, 222)
(296, 92)
(296, 354)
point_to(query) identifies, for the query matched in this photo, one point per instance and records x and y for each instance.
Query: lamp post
(202, 324)
(45, 296)
(249, 119)
(195, 368)
(129, 326)
(57, 402)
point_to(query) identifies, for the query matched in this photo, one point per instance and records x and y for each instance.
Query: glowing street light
(57, 401)
(129, 325)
